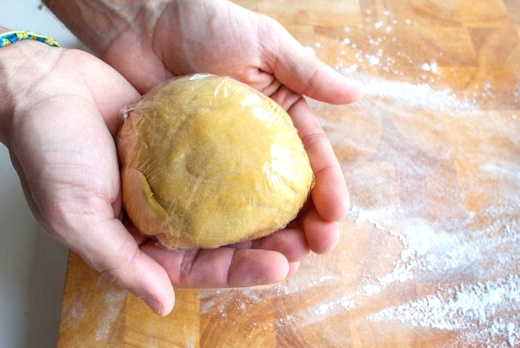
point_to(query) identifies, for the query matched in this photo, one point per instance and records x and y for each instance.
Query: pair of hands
(60, 115)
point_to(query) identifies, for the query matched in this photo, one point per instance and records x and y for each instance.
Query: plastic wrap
(208, 161)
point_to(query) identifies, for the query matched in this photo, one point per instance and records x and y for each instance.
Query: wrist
(21, 65)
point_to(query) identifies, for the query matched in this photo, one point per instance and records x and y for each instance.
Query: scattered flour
(484, 310)
(333, 307)
(114, 303)
(476, 270)
(408, 96)
(485, 313)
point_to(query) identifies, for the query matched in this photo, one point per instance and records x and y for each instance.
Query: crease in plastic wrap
(209, 161)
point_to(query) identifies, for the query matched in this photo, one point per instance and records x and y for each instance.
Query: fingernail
(155, 305)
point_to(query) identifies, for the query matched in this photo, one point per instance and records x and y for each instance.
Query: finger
(110, 249)
(330, 194)
(322, 235)
(223, 267)
(292, 243)
(299, 69)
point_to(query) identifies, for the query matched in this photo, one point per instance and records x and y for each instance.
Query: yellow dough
(208, 161)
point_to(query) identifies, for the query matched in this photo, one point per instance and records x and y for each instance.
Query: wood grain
(429, 254)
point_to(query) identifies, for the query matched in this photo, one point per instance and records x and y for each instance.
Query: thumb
(110, 248)
(299, 69)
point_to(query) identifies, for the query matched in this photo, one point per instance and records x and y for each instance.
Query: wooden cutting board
(430, 252)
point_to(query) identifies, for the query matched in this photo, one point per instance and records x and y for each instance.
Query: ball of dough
(208, 161)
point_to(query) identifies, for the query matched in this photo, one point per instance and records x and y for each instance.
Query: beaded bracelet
(11, 37)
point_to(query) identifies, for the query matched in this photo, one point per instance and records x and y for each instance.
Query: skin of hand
(59, 115)
(151, 41)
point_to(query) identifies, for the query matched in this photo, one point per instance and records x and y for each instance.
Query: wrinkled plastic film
(208, 161)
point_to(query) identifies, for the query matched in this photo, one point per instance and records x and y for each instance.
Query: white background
(32, 265)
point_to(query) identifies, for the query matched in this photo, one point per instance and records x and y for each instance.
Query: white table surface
(32, 265)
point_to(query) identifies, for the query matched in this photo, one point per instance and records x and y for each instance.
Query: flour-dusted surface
(430, 250)
(429, 254)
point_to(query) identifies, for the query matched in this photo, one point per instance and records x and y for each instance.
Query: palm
(188, 39)
(222, 38)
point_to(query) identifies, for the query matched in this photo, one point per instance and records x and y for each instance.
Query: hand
(219, 37)
(59, 118)
(149, 42)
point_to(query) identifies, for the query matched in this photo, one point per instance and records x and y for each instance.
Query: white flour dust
(114, 303)
(476, 277)
(472, 258)
(416, 96)
(485, 312)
